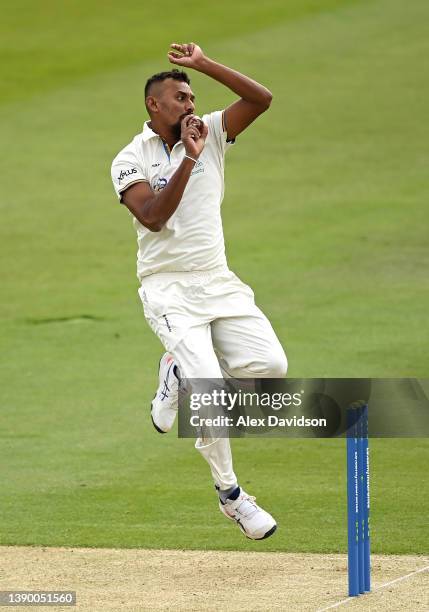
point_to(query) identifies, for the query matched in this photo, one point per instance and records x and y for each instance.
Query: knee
(273, 366)
(277, 365)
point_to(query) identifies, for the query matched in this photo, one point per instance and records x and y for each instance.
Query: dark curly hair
(175, 74)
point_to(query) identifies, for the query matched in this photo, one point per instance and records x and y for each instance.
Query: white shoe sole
(161, 431)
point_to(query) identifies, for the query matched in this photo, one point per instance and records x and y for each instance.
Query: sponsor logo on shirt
(199, 167)
(156, 165)
(125, 173)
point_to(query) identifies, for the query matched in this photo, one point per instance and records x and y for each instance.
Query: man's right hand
(193, 135)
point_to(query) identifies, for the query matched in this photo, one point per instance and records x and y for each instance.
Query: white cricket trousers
(209, 322)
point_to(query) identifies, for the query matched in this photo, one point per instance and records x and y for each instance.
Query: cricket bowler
(171, 179)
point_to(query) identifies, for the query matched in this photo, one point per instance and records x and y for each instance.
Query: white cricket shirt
(192, 239)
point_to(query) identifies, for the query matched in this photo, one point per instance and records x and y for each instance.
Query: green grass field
(325, 216)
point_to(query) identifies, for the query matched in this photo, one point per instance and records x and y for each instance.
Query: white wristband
(189, 157)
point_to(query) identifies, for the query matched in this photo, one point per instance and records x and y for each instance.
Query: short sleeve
(127, 169)
(217, 130)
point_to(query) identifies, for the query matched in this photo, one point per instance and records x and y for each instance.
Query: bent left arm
(254, 97)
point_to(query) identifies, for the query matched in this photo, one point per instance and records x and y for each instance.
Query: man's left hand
(189, 55)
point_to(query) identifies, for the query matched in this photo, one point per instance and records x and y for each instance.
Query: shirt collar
(148, 132)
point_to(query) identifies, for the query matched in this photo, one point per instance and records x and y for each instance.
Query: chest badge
(160, 184)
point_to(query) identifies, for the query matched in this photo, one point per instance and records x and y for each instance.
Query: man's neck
(165, 133)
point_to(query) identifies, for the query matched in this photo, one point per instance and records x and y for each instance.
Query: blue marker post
(352, 502)
(361, 485)
(366, 500)
(358, 500)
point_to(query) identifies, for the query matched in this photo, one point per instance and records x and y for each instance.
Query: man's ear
(151, 104)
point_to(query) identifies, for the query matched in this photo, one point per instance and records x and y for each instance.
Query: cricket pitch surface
(124, 579)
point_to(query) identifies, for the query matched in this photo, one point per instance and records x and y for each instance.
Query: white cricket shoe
(253, 521)
(166, 400)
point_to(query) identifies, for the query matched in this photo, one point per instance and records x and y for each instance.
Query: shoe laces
(246, 506)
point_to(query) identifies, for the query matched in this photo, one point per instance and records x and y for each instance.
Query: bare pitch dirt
(149, 580)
